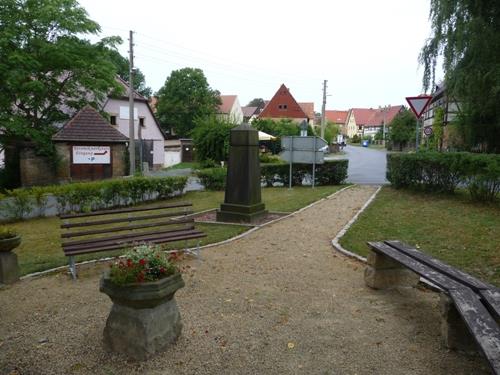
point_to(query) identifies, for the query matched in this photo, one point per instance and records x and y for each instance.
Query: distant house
(339, 118)
(369, 121)
(450, 108)
(283, 105)
(250, 113)
(230, 109)
(145, 124)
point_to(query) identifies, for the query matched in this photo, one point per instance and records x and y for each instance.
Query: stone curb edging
(338, 247)
(192, 249)
(335, 242)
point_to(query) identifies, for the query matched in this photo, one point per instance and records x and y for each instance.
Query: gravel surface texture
(278, 301)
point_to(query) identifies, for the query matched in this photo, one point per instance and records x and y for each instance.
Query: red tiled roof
(125, 86)
(375, 117)
(227, 102)
(308, 109)
(88, 125)
(283, 105)
(337, 117)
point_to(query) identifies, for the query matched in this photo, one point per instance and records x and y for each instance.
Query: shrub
(209, 163)
(213, 178)
(87, 196)
(332, 172)
(355, 139)
(444, 172)
(211, 138)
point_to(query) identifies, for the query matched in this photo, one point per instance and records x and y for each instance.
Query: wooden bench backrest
(87, 230)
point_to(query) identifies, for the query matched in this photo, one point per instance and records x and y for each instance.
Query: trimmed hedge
(90, 196)
(444, 172)
(332, 172)
(213, 178)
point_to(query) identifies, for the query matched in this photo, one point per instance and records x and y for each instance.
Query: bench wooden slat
(128, 227)
(116, 246)
(125, 236)
(124, 220)
(423, 270)
(125, 210)
(138, 237)
(448, 270)
(482, 326)
(492, 299)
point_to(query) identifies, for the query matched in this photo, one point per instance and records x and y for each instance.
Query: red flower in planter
(142, 262)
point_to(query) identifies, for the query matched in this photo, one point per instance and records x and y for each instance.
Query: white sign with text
(91, 155)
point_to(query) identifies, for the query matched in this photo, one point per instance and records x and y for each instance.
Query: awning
(265, 137)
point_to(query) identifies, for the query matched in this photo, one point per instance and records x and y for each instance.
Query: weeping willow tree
(466, 35)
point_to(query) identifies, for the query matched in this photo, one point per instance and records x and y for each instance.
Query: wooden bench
(470, 307)
(122, 228)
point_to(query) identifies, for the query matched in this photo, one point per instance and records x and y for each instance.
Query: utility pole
(131, 143)
(386, 109)
(323, 110)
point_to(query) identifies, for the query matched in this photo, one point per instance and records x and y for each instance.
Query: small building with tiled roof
(283, 105)
(230, 109)
(338, 118)
(90, 148)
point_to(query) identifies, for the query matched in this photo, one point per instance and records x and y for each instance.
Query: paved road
(366, 165)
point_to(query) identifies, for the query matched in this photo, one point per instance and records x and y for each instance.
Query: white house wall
(149, 131)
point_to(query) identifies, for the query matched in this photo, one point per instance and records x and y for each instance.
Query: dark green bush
(213, 178)
(444, 172)
(211, 138)
(332, 172)
(88, 196)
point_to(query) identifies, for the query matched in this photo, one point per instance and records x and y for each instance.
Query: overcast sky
(367, 50)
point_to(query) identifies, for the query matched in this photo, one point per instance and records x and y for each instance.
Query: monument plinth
(242, 200)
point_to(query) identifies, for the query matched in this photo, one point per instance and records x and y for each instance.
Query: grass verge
(461, 233)
(41, 245)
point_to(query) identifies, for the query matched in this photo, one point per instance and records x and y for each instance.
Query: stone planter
(9, 244)
(9, 268)
(144, 318)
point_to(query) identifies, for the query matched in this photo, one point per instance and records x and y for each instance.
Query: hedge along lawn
(450, 227)
(41, 244)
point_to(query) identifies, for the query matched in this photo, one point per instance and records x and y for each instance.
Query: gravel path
(276, 301)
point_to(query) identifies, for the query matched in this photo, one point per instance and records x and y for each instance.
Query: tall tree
(46, 68)
(184, 97)
(466, 34)
(257, 102)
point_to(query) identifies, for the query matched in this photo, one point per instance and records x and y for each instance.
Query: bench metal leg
(454, 332)
(72, 267)
(384, 273)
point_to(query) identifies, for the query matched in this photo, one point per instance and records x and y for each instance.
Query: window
(282, 107)
(142, 121)
(112, 119)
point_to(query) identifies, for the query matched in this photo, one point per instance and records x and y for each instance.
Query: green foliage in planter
(444, 172)
(213, 178)
(7, 233)
(141, 264)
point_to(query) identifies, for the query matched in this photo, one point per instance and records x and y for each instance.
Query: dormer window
(112, 119)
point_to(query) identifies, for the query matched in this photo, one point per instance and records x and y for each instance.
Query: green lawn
(40, 248)
(452, 228)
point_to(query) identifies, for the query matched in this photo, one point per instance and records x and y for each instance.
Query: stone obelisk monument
(242, 201)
